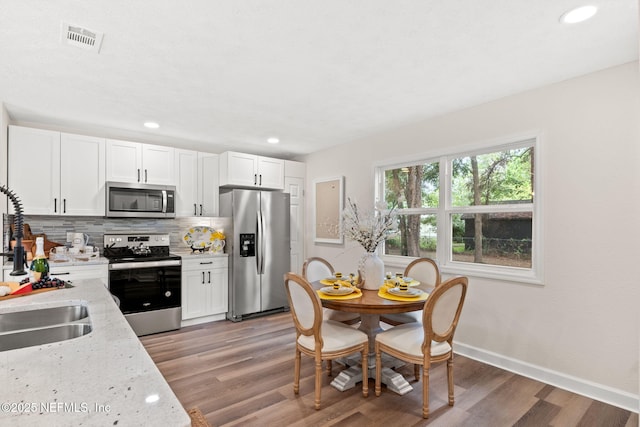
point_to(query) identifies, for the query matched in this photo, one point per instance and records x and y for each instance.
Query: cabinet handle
(55, 205)
(203, 277)
(145, 175)
(200, 210)
(64, 205)
(195, 209)
(205, 263)
(209, 276)
(138, 175)
(60, 274)
(260, 179)
(255, 179)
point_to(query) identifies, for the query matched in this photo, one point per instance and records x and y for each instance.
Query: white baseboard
(573, 384)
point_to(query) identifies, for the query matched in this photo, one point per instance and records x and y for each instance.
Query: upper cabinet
(144, 163)
(196, 183)
(251, 171)
(56, 173)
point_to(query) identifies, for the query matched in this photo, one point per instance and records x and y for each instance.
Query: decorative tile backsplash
(57, 227)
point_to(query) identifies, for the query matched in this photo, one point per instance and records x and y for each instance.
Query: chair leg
(296, 373)
(318, 382)
(416, 371)
(378, 370)
(365, 371)
(425, 391)
(450, 378)
(329, 367)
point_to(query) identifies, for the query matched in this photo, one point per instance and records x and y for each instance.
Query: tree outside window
(487, 213)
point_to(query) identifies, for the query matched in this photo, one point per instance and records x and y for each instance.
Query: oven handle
(150, 264)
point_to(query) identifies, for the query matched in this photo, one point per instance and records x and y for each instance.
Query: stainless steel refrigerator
(259, 250)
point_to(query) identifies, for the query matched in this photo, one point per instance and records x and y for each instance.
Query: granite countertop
(103, 378)
(187, 254)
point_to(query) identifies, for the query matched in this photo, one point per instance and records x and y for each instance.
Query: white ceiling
(221, 75)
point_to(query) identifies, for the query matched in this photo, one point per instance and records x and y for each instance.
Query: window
(475, 212)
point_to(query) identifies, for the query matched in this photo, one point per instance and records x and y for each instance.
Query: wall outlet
(69, 236)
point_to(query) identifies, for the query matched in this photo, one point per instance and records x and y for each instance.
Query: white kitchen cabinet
(196, 183)
(139, 163)
(80, 272)
(57, 173)
(68, 273)
(204, 286)
(251, 171)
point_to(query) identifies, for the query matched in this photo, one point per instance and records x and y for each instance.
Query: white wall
(580, 329)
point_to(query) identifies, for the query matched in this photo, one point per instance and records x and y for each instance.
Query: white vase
(373, 271)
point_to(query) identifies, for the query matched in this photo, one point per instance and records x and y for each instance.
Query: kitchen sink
(42, 317)
(43, 326)
(31, 337)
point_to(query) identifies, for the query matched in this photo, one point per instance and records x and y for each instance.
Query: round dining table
(370, 306)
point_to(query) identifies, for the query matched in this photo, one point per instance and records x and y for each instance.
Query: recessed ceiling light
(579, 14)
(151, 125)
(273, 140)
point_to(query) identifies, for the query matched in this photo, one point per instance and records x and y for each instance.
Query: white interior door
(295, 187)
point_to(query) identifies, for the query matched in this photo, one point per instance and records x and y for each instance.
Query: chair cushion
(408, 338)
(336, 336)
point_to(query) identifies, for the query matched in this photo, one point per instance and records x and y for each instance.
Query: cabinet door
(124, 161)
(219, 289)
(194, 294)
(186, 173)
(208, 184)
(34, 169)
(82, 175)
(271, 173)
(157, 165)
(239, 169)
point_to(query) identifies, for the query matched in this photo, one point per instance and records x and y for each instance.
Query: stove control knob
(167, 294)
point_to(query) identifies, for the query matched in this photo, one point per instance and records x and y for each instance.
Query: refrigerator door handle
(259, 246)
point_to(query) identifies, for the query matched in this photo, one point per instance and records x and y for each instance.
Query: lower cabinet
(71, 273)
(68, 273)
(204, 288)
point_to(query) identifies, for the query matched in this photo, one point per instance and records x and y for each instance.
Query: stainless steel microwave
(127, 200)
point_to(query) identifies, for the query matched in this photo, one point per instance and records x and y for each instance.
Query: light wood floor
(240, 374)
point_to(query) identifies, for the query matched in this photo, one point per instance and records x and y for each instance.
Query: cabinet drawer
(203, 263)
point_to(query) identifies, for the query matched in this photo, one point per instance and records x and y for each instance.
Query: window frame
(445, 209)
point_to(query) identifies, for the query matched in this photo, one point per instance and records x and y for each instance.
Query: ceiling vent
(75, 35)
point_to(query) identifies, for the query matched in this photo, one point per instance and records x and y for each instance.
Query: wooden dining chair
(319, 338)
(428, 342)
(426, 271)
(317, 268)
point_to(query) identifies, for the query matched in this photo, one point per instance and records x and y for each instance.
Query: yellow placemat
(382, 293)
(355, 294)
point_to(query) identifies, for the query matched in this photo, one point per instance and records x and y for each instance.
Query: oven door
(146, 286)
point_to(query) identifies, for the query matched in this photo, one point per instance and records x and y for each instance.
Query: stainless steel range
(146, 279)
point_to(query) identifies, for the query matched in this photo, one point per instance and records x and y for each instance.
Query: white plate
(199, 237)
(342, 290)
(411, 292)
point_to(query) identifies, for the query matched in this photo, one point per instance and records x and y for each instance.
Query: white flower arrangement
(369, 229)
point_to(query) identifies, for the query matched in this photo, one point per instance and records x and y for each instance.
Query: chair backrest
(424, 270)
(442, 311)
(305, 306)
(316, 268)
